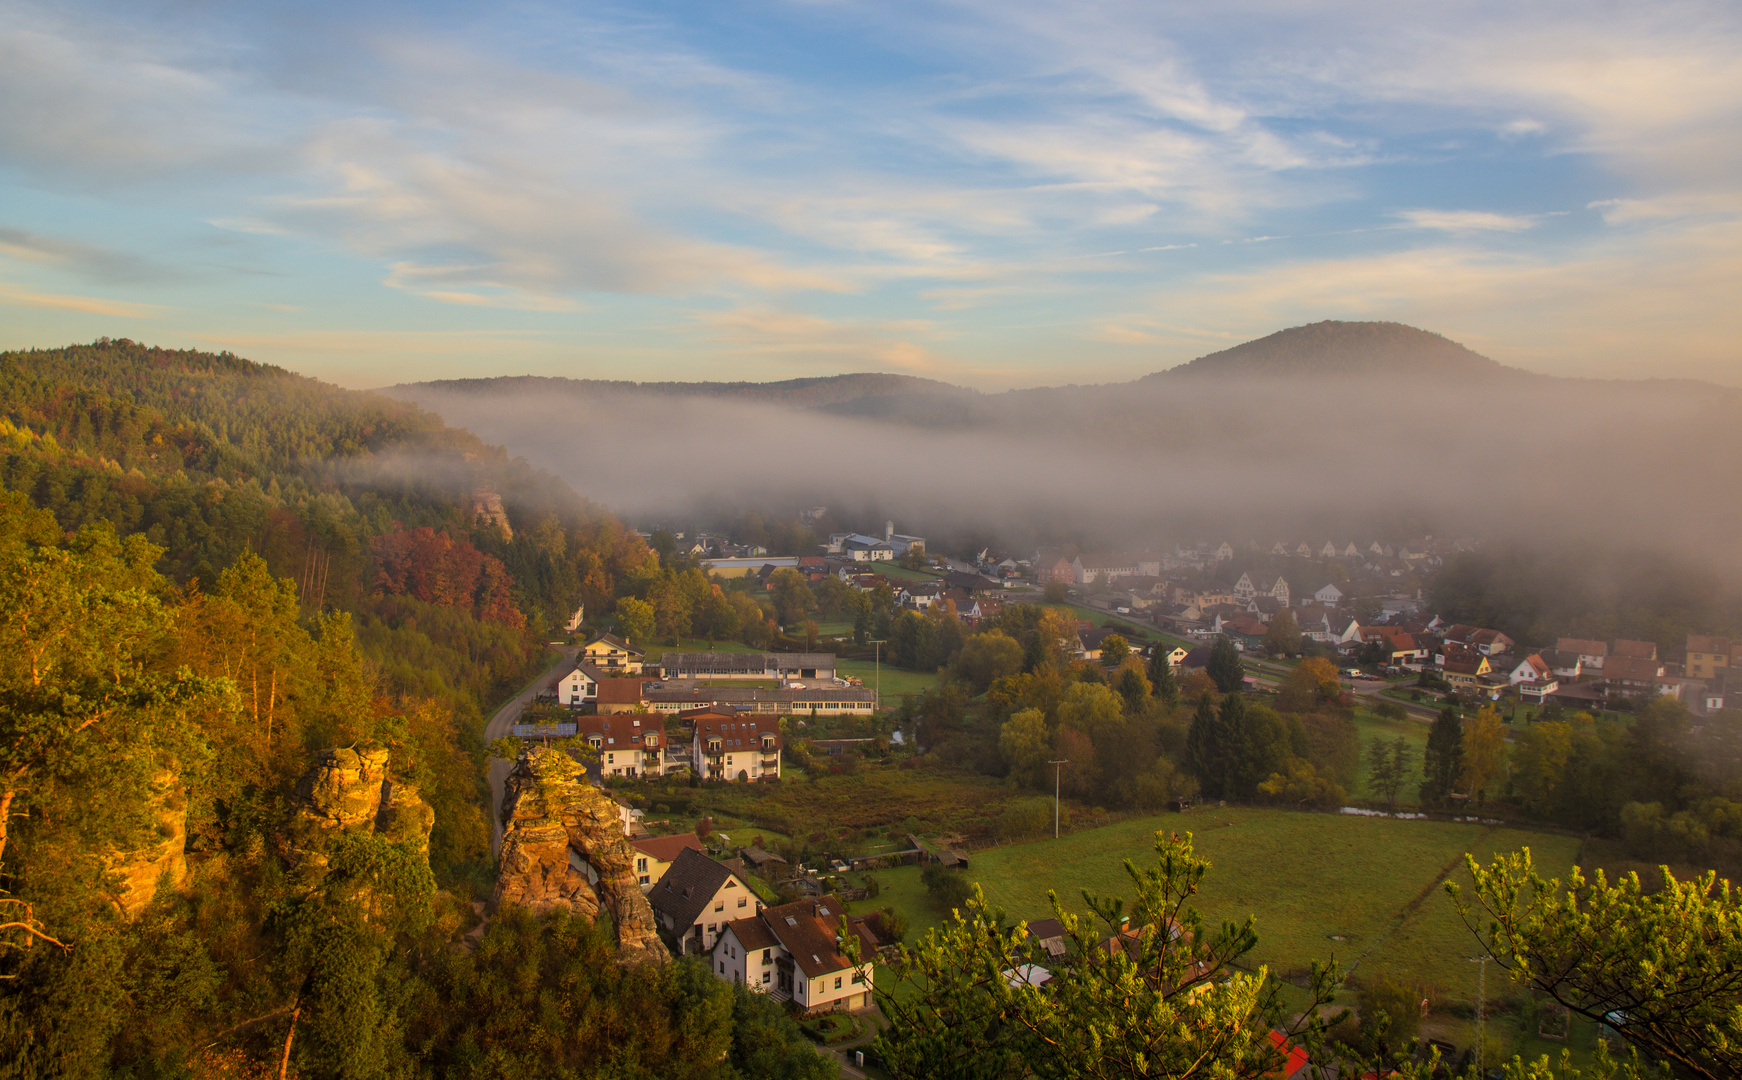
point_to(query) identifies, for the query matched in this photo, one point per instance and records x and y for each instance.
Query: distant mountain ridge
(816, 392)
(1340, 349)
(1322, 350)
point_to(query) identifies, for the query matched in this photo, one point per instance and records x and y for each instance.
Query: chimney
(888, 530)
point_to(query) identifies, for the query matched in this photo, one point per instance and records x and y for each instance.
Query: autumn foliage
(437, 569)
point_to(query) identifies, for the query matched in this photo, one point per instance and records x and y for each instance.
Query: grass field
(656, 651)
(1307, 879)
(884, 801)
(896, 682)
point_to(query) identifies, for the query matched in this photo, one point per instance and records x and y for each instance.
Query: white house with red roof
(793, 953)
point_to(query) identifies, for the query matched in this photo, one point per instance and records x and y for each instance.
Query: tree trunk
(284, 1062)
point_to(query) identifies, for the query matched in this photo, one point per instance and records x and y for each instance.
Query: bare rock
(348, 791)
(138, 873)
(563, 847)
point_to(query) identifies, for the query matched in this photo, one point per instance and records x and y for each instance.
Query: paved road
(502, 724)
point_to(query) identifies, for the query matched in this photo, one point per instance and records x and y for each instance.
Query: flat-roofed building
(747, 665)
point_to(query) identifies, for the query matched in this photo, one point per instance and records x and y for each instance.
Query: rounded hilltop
(1343, 348)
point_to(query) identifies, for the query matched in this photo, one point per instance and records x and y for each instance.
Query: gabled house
(1591, 654)
(793, 953)
(1345, 629)
(1050, 935)
(1329, 595)
(1627, 676)
(655, 854)
(1244, 590)
(1532, 668)
(1465, 674)
(1175, 656)
(628, 744)
(733, 745)
(1350, 551)
(696, 897)
(578, 685)
(1329, 551)
(1641, 650)
(612, 655)
(1564, 665)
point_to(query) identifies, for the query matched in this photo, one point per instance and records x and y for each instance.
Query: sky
(995, 194)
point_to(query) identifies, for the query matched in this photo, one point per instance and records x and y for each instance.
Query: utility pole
(1481, 1007)
(877, 658)
(1057, 771)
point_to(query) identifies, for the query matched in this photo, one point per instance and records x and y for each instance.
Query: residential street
(502, 724)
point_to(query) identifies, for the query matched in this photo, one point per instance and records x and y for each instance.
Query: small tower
(888, 531)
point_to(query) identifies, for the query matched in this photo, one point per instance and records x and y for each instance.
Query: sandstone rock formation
(350, 791)
(563, 846)
(137, 873)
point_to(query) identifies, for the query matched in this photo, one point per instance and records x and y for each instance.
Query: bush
(1390, 710)
(888, 924)
(1030, 817)
(949, 889)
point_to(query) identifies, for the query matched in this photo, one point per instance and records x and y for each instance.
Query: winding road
(502, 724)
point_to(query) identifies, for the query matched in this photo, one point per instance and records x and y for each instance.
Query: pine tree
(1161, 681)
(1224, 667)
(1444, 759)
(1204, 747)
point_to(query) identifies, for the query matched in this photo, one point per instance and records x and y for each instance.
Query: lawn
(657, 651)
(1308, 880)
(895, 681)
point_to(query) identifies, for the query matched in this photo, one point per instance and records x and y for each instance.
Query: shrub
(948, 889)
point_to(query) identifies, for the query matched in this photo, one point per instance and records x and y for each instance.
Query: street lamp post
(1057, 771)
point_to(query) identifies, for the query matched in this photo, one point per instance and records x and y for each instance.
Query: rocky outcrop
(350, 791)
(563, 847)
(136, 874)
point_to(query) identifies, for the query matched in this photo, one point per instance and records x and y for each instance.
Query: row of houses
(791, 952)
(725, 743)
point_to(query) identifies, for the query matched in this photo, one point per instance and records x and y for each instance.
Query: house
(655, 854)
(1643, 650)
(1224, 551)
(1565, 665)
(1244, 590)
(861, 548)
(1245, 626)
(1051, 567)
(1196, 660)
(696, 897)
(612, 655)
(1707, 656)
(1049, 934)
(1591, 654)
(1329, 595)
(793, 953)
(578, 685)
(757, 666)
(1329, 551)
(1345, 629)
(1402, 649)
(679, 698)
(1175, 656)
(616, 696)
(731, 744)
(1350, 551)
(1628, 676)
(1492, 643)
(1265, 607)
(1465, 674)
(1532, 668)
(813, 567)
(1088, 569)
(628, 744)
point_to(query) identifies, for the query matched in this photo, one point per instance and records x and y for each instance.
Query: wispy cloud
(1466, 220)
(89, 305)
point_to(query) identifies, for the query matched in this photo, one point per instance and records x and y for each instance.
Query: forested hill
(792, 393)
(1340, 349)
(212, 455)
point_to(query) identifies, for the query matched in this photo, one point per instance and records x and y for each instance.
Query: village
(785, 909)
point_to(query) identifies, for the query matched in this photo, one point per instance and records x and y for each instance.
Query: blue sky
(991, 193)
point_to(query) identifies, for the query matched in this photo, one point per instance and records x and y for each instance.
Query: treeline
(153, 735)
(1134, 735)
(1535, 595)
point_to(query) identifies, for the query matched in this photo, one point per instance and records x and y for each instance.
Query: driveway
(502, 724)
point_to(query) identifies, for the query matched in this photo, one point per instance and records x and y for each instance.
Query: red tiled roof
(667, 848)
(620, 691)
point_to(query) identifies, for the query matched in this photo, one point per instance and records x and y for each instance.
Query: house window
(859, 979)
(767, 956)
(743, 901)
(837, 982)
(719, 905)
(640, 865)
(643, 881)
(765, 978)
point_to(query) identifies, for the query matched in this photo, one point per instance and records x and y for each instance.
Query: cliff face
(563, 846)
(349, 791)
(137, 873)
